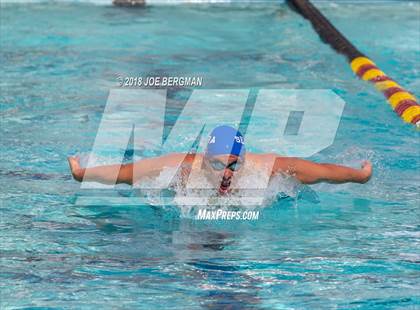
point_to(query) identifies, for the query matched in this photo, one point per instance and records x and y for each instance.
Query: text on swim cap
(238, 139)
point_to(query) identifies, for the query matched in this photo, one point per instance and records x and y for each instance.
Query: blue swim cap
(225, 140)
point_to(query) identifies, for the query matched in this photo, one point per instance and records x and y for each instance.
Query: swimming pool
(358, 247)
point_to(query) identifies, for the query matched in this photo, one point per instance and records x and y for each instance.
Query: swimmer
(129, 3)
(224, 157)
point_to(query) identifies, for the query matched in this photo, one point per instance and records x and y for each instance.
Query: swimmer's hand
(76, 170)
(365, 172)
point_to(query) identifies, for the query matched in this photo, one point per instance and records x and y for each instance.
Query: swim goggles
(218, 165)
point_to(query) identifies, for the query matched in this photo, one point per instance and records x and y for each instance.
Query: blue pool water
(358, 247)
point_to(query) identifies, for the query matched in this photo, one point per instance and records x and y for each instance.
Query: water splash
(201, 193)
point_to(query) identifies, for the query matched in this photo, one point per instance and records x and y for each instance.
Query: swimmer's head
(224, 155)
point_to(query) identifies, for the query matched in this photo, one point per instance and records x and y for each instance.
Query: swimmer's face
(221, 169)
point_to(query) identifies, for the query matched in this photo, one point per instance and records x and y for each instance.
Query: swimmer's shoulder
(172, 160)
(257, 158)
(185, 158)
(191, 157)
(191, 160)
(271, 161)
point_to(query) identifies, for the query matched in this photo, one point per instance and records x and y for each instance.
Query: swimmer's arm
(128, 173)
(309, 172)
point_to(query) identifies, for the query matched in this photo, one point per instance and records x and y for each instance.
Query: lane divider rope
(402, 102)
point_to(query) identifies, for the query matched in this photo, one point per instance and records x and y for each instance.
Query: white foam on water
(252, 193)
